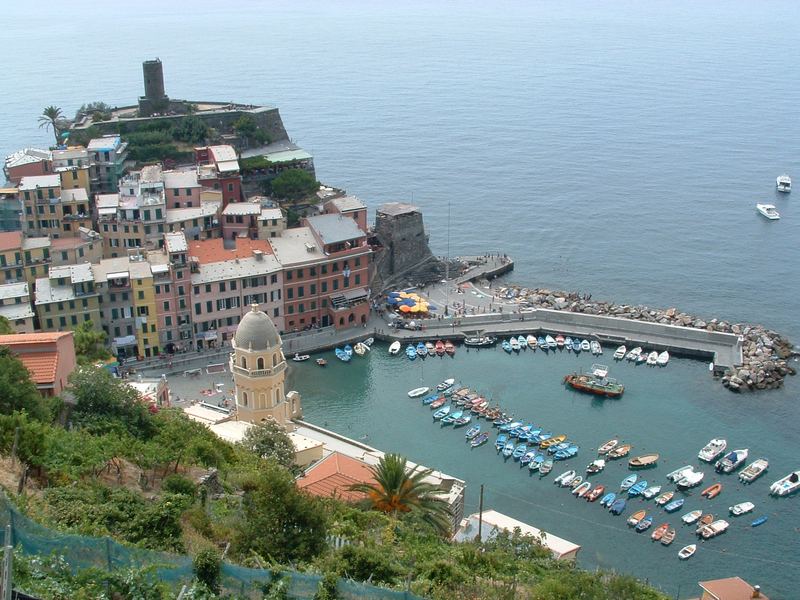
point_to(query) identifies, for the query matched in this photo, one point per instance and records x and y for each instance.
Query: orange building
(49, 357)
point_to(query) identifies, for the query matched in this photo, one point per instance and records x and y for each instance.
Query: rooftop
(74, 195)
(333, 475)
(39, 181)
(13, 290)
(107, 142)
(296, 246)
(10, 240)
(25, 339)
(214, 250)
(175, 242)
(348, 203)
(271, 213)
(17, 312)
(64, 243)
(242, 208)
(107, 200)
(34, 243)
(286, 156)
(48, 291)
(334, 229)
(181, 179)
(731, 588)
(122, 266)
(178, 215)
(396, 208)
(279, 146)
(71, 152)
(494, 521)
(237, 268)
(26, 156)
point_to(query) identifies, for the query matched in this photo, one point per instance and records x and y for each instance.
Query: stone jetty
(764, 352)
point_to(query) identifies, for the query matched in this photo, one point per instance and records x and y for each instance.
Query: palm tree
(49, 118)
(398, 489)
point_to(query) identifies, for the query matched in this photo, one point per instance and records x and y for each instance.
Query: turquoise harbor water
(616, 149)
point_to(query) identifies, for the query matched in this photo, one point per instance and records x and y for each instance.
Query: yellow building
(144, 308)
(67, 297)
(72, 166)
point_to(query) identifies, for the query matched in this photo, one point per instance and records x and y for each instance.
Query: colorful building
(218, 169)
(15, 306)
(49, 357)
(67, 297)
(28, 162)
(107, 155)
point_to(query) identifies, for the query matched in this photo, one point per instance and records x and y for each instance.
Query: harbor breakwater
(765, 353)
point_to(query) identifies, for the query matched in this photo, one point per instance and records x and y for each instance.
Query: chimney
(258, 254)
(756, 591)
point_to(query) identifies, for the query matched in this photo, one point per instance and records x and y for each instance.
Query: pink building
(49, 357)
(240, 219)
(28, 162)
(172, 281)
(218, 169)
(350, 207)
(182, 189)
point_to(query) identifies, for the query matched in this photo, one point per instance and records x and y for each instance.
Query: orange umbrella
(404, 308)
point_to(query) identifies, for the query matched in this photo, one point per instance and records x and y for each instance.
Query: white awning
(128, 340)
(122, 275)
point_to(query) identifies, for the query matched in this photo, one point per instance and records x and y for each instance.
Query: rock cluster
(765, 352)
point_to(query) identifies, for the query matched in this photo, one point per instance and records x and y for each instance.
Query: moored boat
(651, 492)
(659, 531)
(300, 357)
(596, 466)
(679, 474)
(783, 183)
(342, 355)
(480, 341)
(633, 354)
(637, 488)
(690, 480)
(712, 449)
(609, 445)
(551, 343)
(608, 499)
(786, 485)
(596, 382)
(769, 211)
(445, 385)
(479, 440)
(759, 521)
(595, 493)
(617, 507)
(619, 452)
(560, 341)
(663, 359)
(671, 507)
(619, 353)
(546, 466)
(360, 349)
(714, 529)
(687, 552)
(706, 519)
(634, 519)
(322, 362)
(565, 478)
(472, 432)
(586, 345)
(652, 358)
(506, 345)
(531, 341)
(461, 421)
(422, 350)
(732, 461)
(523, 343)
(452, 416)
(741, 509)
(394, 347)
(692, 516)
(644, 461)
(754, 470)
(438, 403)
(500, 442)
(576, 482)
(441, 413)
(439, 347)
(514, 343)
(712, 491)
(628, 482)
(596, 348)
(644, 523)
(417, 392)
(669, 536)
(576, 345)
(582, 489)
(411, 352)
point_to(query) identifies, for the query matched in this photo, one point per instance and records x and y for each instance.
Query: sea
(616, 149)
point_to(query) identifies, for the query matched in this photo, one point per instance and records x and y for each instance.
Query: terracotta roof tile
(10, 240)
(41, 365)
(212, 251)
(43, 337)
(333, 475)
(731, 588)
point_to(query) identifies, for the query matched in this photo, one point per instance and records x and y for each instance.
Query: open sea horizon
(615, 149)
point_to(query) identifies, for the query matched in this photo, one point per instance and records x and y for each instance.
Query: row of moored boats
(639, 355)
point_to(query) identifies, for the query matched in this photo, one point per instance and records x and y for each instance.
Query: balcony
(259, 372)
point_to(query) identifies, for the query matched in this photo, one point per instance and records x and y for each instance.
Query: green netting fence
(82, 552)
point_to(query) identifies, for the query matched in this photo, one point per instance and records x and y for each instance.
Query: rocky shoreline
(765, 352)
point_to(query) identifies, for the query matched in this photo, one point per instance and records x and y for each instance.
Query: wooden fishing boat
(712, 491)
(659, 531)
(619, 353)
(360, 349)
(669, 536)
(596, 382)
(617, 507)
(706, 519)
(556, 439)
(687, 552)
(634, 519)
(674, 505)
(394, 347)
(449, 348)
(595, 493)
(481, 439)
(422, 350)
(445, 385)
(417, 392)
(438, 403)
(439, 347)
(637, 488)
(644, 461)
(609, 445)
(531, 341)
(644, 524)
(628, 482)
(692, 516)
(619, 452)
(664, 498)
(546, 466)
(651, 492)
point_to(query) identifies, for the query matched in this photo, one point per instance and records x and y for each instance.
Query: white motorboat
(783, 183)
(445, 385)
(565, 478)
(787, 485)
(417, 392)
(551, 342)
(712, 449)
(652, 491)
(769, 211)
(596, 348)
(714, 529)
(633, 354)
(690, 480)
(687, 551)
(619, 354)
(531, 342)
(754, 470)
(300, 357)
(692, 516)
(586, 345)
(732, 460)
(368, 342)
(394, 348)
(662, 359)
(596, 466)
(741, 509)
(652, 358)
(679, 474)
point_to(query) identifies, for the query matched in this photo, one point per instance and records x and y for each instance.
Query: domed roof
(256, 332)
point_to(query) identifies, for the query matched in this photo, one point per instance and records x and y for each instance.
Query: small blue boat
(571, 451)
(462, 420)
(568, 343)
(429, 399)
(536, 462)
(500, 442)
(540, 341)
(558, 447)
(422, 350)
(449, 418)
(576, 345)
(674, 505)
(342, 355)
(644, 523)
(348, 349)
(519, 451)
(628, 482)
(508, 449)
(441, 413)
(543, 436)
(481, 439)
(506, 346)
(510, 426)
(523, 343)
(411, 352)
(617, 507)
(472, 432)
(759, 521)
(527, 457)
(637, 488)
(608, 499)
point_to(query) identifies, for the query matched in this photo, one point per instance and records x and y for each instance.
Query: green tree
(90, 343)
(50, 117)
(278, 521)
(5, 327)
(207, 568)
(246, 127)
(269, 440)
(191, 129)
(99, 111)
(17, 391)
(104, 403)
(293, 184)
(398, 490)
